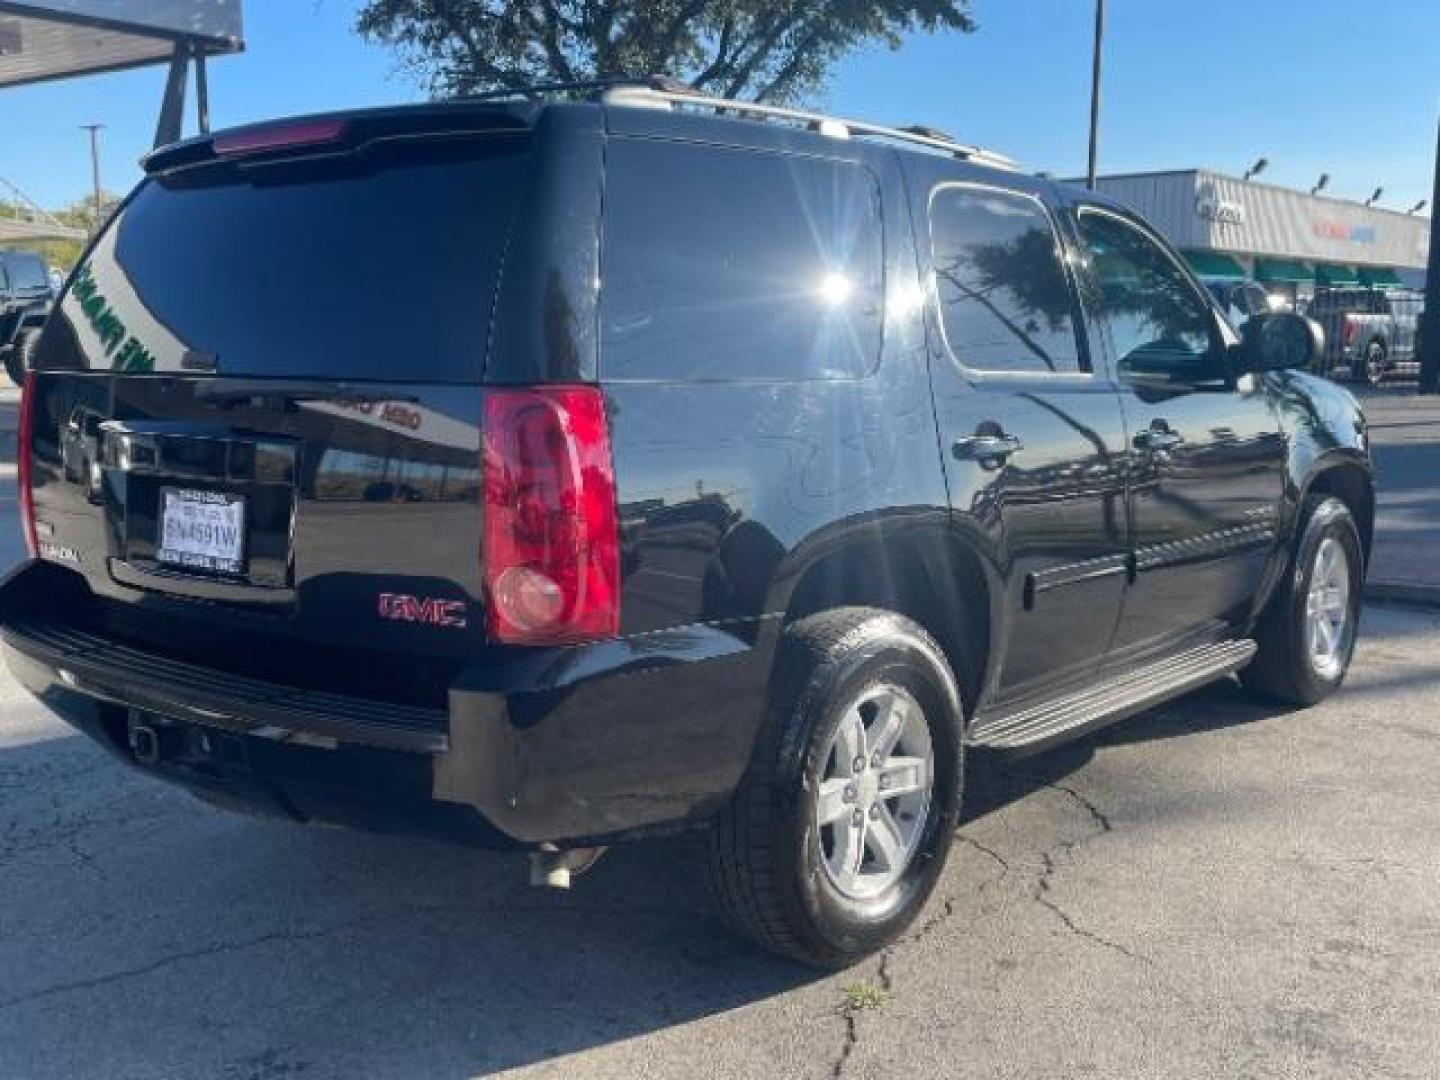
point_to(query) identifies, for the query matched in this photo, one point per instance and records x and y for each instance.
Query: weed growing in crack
(865, 995)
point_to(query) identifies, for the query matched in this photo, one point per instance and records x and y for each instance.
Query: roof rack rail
(666, 92)
(661, 92)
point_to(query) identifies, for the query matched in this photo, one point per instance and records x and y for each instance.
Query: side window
(734, 265)
(1159, 324)
(1005, 302)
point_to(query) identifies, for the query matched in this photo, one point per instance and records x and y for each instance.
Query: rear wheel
(840, 829)
(1307, 635)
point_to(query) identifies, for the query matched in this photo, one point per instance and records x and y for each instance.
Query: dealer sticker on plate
(202, 530)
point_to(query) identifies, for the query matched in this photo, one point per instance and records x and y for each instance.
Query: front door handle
(986, 448)
(1158, 440)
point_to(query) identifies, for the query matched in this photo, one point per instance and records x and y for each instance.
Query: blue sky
(1314, 85)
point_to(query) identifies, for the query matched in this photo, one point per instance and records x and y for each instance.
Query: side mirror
(1280, 340)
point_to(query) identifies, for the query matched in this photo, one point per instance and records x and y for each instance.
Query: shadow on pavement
(355, 954)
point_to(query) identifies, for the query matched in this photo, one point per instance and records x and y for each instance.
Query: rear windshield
(26, 272)
(377, 265)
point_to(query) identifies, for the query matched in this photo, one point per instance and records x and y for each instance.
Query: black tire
(20, 357)
(765, 856)
(1283, 670)
(12, 365)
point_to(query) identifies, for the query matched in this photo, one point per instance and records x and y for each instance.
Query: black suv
(24, 304)
(555, 473)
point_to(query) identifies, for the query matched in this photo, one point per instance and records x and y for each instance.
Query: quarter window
(1159, 324)
(1005, 301)
(737, 265)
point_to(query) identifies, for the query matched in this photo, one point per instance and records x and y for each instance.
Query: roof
(52, 39)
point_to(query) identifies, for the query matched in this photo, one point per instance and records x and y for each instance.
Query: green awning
(1214, 265)
(1282, 270)
(1380, 277)
(1330, 274)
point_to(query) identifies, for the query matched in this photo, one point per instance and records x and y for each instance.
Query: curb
(1398, 592)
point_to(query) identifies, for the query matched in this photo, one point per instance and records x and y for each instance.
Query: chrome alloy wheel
(873, 793)
(1328, 622)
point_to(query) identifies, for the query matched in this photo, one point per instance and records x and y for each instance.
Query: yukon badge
(401, 607)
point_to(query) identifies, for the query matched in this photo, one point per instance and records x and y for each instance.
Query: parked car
(909, 454)
(1369, 333)
(24, 303)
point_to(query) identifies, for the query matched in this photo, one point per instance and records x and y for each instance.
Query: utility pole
(1095, 91)
(94, 130)
(1430, 327)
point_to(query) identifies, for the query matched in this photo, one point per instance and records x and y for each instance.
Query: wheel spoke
(850, 741)
(1325, 636)
(903, 776)
(889, 722)
(884, 839)
(1335, 603)
(849, 856)
(831, 804)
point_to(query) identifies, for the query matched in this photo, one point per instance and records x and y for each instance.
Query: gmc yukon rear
(270, 564)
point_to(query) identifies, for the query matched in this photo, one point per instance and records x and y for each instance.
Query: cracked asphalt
(1214, 889)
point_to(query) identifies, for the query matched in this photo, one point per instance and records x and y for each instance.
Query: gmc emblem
(400, 607)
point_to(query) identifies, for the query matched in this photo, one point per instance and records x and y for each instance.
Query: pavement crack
(852, 1039)
(1096, 814)
(1042, 897)
(988, 851)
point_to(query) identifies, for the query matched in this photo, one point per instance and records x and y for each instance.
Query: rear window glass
(26, 272)
(377, 265)
(736, 265)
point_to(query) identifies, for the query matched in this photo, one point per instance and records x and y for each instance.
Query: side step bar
(1118, 697)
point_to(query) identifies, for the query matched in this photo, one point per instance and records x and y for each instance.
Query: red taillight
(1349, 328)
(551, 556)
(280, 137)
(22, 456)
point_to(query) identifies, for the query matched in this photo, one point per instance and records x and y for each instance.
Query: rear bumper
(599, 742)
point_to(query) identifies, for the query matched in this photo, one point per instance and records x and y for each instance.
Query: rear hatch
(256, 429)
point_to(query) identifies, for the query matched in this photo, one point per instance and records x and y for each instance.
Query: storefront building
(1290, 242)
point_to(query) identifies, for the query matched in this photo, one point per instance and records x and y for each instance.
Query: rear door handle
(985, 448)
(1158, 440)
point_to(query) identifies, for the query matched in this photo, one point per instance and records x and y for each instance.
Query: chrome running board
(1119, 696)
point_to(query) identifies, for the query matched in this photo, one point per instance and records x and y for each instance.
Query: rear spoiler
(341, 133)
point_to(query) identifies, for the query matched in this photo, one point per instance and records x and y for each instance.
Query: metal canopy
(56, 39)
(59, 38)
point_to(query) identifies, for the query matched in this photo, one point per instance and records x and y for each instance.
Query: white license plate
(202, 530)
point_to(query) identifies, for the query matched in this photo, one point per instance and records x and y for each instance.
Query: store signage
(1330, 229)
(1211, 207)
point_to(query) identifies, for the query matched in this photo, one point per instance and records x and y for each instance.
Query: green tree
(760, 50)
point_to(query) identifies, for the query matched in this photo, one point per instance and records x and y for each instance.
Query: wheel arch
(1349, 480)
(929, 573)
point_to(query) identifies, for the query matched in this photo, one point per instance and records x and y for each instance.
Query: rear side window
(381, 264)
(1005, 302)
(736, 265)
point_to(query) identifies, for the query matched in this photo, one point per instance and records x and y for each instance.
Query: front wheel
(1307, 635)
(836, 837)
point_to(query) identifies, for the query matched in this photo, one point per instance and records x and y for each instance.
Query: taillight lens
(1349, 329)
(551, 555)
(22, 454)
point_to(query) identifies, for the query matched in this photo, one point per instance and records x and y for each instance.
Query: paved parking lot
(1213, 889)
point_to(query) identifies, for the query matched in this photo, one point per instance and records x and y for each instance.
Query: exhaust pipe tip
(552, 868)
